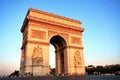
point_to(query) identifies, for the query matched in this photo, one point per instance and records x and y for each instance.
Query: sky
(100, 19)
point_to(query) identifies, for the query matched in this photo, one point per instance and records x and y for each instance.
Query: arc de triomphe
(40, 29)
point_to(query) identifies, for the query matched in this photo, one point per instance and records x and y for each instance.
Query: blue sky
(100, 18)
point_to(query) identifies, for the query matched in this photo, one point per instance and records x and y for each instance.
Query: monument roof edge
(54, 15)
(46, 13)
(24, 22)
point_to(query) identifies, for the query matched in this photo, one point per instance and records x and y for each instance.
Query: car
(117, 73)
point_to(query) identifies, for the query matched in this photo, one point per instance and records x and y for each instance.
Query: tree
(90, 69)
(115, 68)
(100, 69)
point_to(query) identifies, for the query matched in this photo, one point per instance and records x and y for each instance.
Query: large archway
(60, 45)
(42, 28)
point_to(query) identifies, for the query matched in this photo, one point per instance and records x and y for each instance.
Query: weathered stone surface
(42, 28)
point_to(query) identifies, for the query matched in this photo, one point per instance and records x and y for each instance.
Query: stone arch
(57, 38)
(60, 51)
(54, 33)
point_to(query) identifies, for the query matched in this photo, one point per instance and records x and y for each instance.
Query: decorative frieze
(75, 40)
(38, 34)
(56, 28)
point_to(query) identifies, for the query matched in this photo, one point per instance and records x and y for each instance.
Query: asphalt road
(92, 77)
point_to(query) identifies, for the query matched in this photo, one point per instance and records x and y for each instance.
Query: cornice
(76, 47)
(35, 19)
(54, 15)
(31, 17)
(39, 43)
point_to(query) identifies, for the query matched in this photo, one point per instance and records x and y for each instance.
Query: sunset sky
(100, 19)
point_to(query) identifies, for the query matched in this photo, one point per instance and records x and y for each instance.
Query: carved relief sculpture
(37, 57)
(38, 34)
(77, 58)
(75, 40)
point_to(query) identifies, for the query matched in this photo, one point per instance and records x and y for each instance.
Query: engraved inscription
(75, 40)
(38, 34)
(37, 56)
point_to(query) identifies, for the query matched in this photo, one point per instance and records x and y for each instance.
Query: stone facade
(42, 28)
